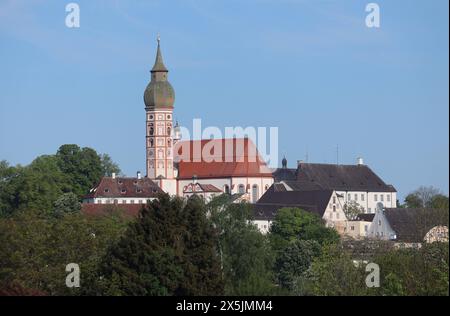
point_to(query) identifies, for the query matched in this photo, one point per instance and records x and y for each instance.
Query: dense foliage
(169, 250)
(187, 247)
(49, 177)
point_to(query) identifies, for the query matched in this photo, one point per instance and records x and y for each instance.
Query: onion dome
(159, 92)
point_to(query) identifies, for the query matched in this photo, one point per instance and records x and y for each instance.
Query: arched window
(255, 193)
(151, 131)
(241, 189)
(168, 131)
(226, 189)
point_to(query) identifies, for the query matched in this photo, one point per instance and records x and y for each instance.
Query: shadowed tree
(169, 250)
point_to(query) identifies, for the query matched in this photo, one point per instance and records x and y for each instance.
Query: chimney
(194, 179)
(359, 161)
(113, 175)
(139, 175)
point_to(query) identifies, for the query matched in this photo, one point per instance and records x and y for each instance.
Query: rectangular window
(131, 201)
(362, 197)
(375, 197)
(353, 227)
(334, 208)
(366, 228)
(382, 197)
(334, 200)
(356, 197)
(124, 201)
(349, 197)
(388, 197)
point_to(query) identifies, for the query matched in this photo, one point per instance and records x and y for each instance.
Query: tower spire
(159, 64)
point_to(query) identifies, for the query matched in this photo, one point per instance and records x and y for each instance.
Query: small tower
(284, 163)
(159, 98)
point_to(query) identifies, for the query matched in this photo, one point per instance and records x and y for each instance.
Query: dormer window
(106, 190)
(124, 191)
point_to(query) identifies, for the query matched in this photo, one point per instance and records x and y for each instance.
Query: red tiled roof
(104, 209)
(124, 187)
(219, 158)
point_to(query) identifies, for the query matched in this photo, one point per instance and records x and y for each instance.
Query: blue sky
(312, 68)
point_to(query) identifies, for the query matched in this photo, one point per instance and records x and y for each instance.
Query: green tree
(82, 166)
(413, 201)
(66, 203)
(424, 197)
(414, 272)
(246, 256)
(201, 260)
(440, 201)
(109, 166)
(37, 186)
(293, 223)
(35, 249)
(334, 273)
(156, 256)
(295, 260)
(352, 209)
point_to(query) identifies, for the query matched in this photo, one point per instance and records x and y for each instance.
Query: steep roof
(124, 187)
(412, 224)
(159, 63)
(341, 177)
(314, 201)
(219, 158)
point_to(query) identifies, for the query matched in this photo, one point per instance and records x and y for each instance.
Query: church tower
(159, 98)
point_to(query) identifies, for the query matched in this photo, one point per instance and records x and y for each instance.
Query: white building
(356, 183)
(324, 203)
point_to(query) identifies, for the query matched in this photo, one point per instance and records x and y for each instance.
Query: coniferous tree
(169, 250)
(201, 262)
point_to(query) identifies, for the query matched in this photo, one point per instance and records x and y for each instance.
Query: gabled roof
(315, 201)
(219, 158)
(341, 177)
(365, 217)
(200, 188)
(412, 224)
(124, 187)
